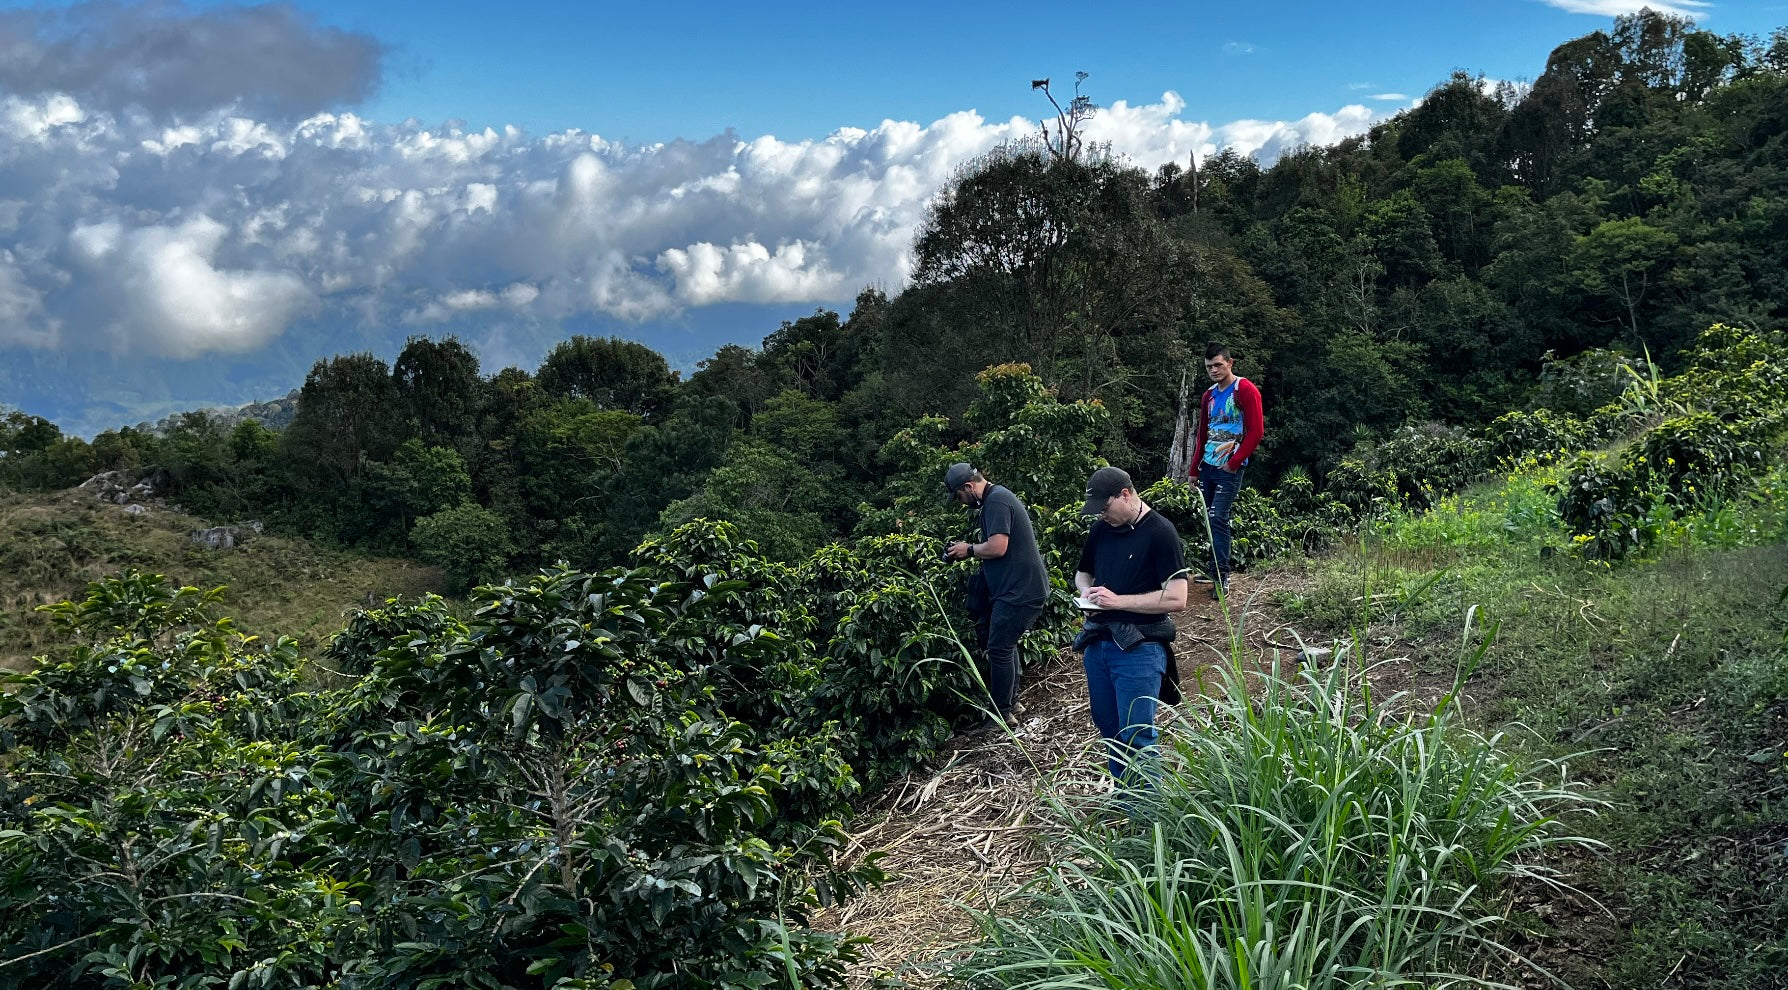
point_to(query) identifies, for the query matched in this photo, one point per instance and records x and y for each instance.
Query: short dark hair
(1216, 351)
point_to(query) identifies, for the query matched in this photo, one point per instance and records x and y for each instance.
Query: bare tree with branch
(1065, 144)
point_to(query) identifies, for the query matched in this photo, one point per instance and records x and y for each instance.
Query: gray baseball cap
(959, 474)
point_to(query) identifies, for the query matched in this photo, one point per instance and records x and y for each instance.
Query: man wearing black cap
(1131, 576)
(1017, 584)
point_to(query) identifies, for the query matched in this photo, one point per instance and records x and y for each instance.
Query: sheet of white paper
(1086, 604)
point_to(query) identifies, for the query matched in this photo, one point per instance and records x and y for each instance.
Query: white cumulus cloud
(171, 297)
(751, 272)
(1154, 133)
(22, 318)
(1615, 8)
(178, 235)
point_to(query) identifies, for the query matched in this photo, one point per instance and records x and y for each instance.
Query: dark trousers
(998, 631)
(1220, 488)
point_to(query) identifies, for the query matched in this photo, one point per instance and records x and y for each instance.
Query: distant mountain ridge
(274, 414)
(89, 393)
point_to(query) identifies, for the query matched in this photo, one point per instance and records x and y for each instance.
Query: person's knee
(1137, 744)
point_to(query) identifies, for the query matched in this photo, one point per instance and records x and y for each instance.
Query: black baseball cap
(1102, 486)
(959, 474)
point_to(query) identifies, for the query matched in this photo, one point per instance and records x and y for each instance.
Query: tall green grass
(1672, 665)
(1302, 833)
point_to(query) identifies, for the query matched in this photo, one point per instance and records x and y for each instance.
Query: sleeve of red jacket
(1253, 422)
(1198, 437)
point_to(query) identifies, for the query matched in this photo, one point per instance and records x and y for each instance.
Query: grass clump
(1667, 670)
(1301, 833)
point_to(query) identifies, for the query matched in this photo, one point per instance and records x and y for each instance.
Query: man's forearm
(1153, 602)
(1164, 602)
(993, 549)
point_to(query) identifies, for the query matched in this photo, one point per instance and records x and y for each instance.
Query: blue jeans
(1220, 488)
(1122, 685)
(999, 630)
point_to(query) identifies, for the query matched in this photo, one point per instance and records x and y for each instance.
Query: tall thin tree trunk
(1179, 456)
(1193, 158)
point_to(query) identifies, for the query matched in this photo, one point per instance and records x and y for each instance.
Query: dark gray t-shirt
(1018, 578)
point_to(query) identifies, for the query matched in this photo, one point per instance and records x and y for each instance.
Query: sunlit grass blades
(1302, 834)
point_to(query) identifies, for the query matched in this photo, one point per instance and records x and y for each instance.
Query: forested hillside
(1494, 248)
(1521, 348)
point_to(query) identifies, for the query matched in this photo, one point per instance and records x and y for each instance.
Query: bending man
(1017, 584)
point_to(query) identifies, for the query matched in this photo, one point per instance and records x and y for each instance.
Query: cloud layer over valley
(160, 212)
(217, 232)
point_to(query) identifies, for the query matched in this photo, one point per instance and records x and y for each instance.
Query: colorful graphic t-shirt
(1224, 434)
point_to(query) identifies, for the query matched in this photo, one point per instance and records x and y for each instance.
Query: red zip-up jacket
(1247, 399)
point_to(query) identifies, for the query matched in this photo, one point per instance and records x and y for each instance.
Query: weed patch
(1300, 833)
(52, 546)
(1668, 671)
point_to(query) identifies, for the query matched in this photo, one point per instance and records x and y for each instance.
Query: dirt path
(961, 832)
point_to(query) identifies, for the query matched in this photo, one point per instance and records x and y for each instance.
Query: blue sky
(198, 200)
(652, 72)
(644, 72)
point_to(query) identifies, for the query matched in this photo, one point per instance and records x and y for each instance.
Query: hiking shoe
(987, 726)
(1220, 588)
(1200, 577)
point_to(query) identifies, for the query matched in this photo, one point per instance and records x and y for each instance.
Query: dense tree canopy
(1437, 269)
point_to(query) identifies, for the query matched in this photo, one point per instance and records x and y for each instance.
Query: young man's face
(1218, 368)
(1123, 509)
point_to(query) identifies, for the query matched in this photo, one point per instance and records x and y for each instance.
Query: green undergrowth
(52, 545)
(1301, 833)
(1669, 671)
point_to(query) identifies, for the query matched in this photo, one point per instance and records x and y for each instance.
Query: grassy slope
(1669, 676)
(51, 545)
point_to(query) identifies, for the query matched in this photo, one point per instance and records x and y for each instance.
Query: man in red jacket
(1230, 426)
